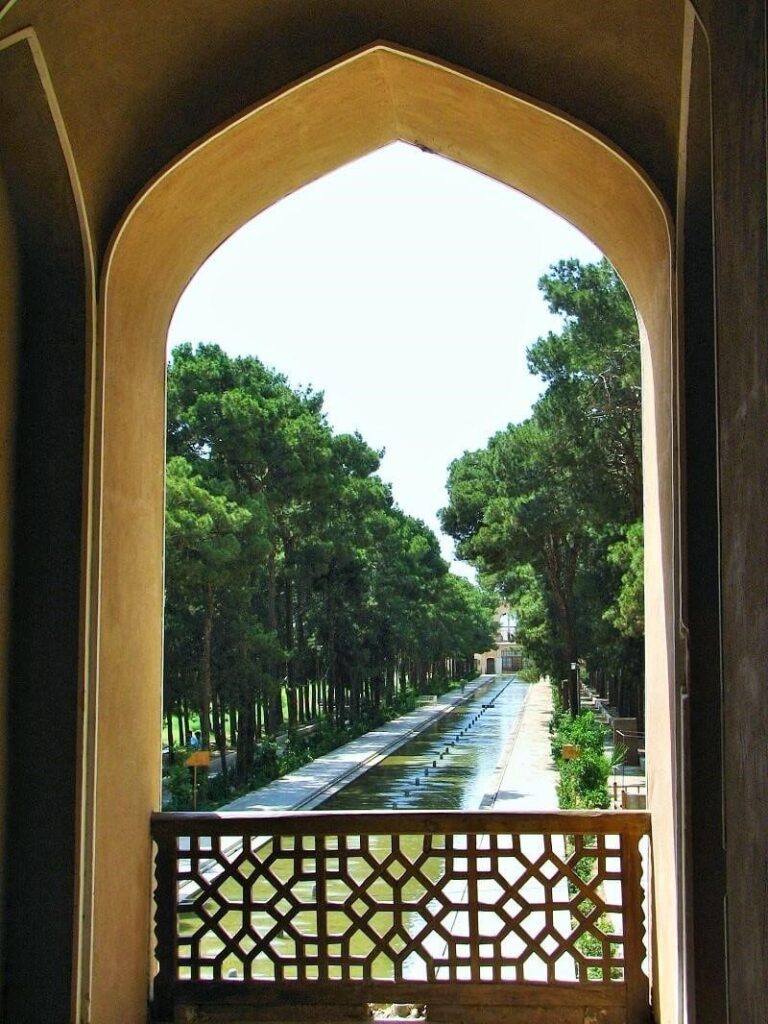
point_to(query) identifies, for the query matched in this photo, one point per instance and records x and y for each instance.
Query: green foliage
(583, 731)
(584, 782)
(545, 510)
(275, 758)
(400, 704)
(295, 587)
(627, 613)
(179, 785)
(266, 764)
(584, 778)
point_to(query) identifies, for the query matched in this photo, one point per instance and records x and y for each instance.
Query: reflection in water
(449, 766)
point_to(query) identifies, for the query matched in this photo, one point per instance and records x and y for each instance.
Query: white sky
(403, 286)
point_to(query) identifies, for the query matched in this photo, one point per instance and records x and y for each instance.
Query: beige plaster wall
(159, 76)
(155, 80)
(340, 114)
(48, 410)
(162, 243)
(660, 650)
(9, 306)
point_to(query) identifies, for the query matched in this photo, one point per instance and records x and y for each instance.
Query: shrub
(400, 703)
(587, 732)
(584, 782)
(179, 785)
(584, 778)
(584, 731)
(265, 763)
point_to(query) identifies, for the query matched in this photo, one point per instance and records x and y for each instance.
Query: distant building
(507, 654)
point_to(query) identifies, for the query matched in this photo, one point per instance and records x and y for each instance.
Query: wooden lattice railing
(334, 910)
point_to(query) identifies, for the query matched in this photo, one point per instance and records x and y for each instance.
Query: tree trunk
(245, 740)
(205, 674)
(389, 681)
(221, 740)
(290, 653)
(171, 744)
(300, 660)
(274, 702)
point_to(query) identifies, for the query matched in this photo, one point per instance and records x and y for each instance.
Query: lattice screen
(456, 907)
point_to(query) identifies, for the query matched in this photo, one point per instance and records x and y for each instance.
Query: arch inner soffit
(351, 108)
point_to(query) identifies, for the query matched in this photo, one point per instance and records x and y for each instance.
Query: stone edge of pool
(317, 781)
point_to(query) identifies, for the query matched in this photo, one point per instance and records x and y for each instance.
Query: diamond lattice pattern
(401, 907)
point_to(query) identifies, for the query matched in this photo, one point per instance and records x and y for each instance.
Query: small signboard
(200, 759)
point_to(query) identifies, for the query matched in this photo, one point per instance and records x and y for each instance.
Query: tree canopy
(549, 511)
(296, 589)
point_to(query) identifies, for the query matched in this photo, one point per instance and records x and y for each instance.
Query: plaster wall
(700, 672)
(337, 115)
(9, 338)
(661, 647)
(737, 34)
(139, 82)
(40, 735)
(496, 653)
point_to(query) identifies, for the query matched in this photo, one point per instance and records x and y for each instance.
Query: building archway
(358, 104)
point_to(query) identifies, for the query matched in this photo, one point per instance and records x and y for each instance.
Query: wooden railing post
(638, 1011)
(321, 908)
(165, 923)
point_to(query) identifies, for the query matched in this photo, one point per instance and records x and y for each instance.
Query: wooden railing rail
(335, 909)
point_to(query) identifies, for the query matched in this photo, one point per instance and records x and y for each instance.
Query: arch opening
(357, 105)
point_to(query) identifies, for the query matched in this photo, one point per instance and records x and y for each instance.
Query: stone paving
(315, 782)
(526, 779)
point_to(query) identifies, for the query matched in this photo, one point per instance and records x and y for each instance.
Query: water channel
(449, 766)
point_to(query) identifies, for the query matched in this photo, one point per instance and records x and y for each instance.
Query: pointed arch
(342, 112)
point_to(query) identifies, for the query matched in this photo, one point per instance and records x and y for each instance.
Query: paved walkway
(317, 781)
(525, 778)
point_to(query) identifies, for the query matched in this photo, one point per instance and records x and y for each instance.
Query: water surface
(449, 766)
